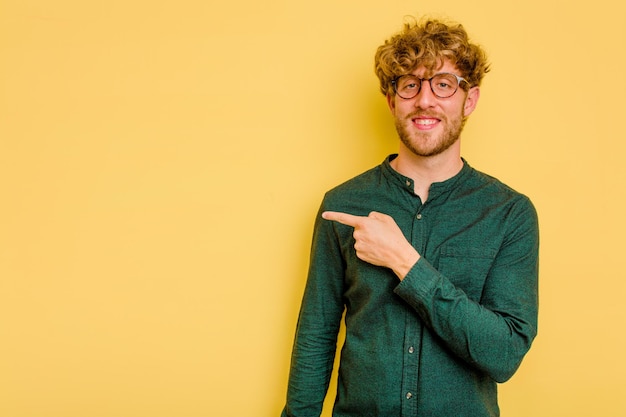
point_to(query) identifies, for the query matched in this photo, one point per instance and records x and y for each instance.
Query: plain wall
(161, 164)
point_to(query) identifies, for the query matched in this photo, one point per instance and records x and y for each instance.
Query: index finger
(343, 218)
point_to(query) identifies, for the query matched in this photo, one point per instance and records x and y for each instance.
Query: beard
(425, 143)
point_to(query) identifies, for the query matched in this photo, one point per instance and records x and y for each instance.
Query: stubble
(428, 143)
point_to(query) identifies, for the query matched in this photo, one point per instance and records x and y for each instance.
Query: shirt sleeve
(318, 325)
(494, 333)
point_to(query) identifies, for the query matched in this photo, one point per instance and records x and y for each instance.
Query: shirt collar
(435, 189)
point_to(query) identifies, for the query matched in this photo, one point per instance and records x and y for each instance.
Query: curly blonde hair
(428, 44)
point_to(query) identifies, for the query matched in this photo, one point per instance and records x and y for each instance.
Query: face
(428, 125)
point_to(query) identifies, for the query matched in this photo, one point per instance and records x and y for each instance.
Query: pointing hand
(378, 240)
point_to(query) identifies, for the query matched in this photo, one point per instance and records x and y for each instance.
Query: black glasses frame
(459, 80)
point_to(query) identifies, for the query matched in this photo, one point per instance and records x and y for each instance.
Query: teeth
(425, 121)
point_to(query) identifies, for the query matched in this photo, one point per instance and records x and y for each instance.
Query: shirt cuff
(419, 284)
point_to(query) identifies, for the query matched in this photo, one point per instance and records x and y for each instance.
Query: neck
(426, 170)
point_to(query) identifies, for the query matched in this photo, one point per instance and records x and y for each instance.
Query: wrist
(406, 263)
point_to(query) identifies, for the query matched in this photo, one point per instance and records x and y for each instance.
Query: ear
(471, 100)
(391, 102)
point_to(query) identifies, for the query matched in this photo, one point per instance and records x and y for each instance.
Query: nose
(425, 97)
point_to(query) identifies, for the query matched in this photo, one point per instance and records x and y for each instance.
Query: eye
(444, 83)
(408, 84)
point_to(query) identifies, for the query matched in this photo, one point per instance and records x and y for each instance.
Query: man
(435, 263)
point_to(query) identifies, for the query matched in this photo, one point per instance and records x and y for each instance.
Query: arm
(318, 325)
(492, 335)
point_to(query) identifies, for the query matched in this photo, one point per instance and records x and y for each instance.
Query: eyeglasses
(443, 85)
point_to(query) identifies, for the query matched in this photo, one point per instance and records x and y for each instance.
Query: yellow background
(161, 163)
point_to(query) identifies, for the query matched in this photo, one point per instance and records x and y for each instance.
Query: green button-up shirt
(436, 343)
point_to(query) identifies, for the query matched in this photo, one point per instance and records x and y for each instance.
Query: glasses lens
(444, 85)
(407, 86)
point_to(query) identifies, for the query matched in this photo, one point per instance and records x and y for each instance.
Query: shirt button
(411, 349)
(419, 216)
(409, 395)
(408, 183)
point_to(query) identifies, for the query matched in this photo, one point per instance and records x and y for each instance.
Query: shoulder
(368, 178)
(492, 186)
(363, 187)
(494, 194)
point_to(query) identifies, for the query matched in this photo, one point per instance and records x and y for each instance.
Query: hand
(379, 241)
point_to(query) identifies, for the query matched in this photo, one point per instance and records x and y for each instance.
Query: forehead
(445, 66)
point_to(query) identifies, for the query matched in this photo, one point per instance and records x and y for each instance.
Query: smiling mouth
(425, 122)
